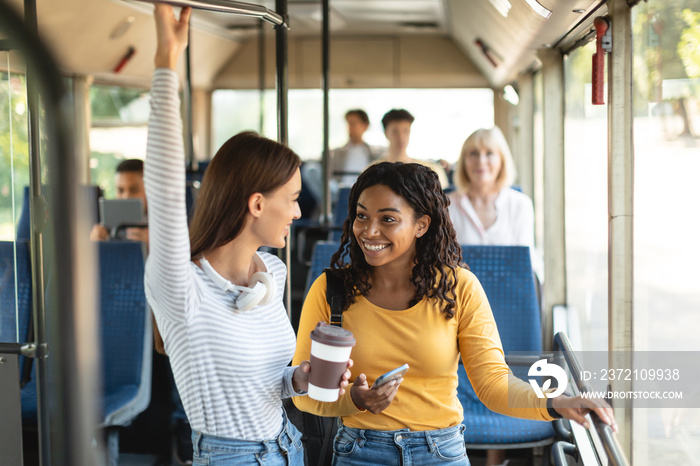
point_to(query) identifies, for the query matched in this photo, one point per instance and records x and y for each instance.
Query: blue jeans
(284, 450)
(357, 447)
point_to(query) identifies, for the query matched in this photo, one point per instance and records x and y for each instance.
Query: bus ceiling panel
(349, 17)
(115, 26)
(502, 36)
(496, 47)
(583, 30)
(408, 61)
(390, 16)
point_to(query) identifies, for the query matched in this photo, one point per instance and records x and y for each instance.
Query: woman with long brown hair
(216, 299)
(408, 299)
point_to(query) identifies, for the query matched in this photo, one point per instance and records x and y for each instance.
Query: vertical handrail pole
(282, 75)
(325, 161)
(37, 208)
(190, 159)
(282, 128)
(261, 73)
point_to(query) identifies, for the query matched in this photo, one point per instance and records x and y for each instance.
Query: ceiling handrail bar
(228, 6)
(612, 446)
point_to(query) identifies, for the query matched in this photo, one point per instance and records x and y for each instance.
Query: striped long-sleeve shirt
(230, 366)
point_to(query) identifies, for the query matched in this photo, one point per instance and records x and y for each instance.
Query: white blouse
(514, 225)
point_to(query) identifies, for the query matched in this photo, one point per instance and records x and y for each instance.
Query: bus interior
(599, 102)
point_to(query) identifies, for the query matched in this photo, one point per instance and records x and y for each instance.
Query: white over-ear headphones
(260, 291)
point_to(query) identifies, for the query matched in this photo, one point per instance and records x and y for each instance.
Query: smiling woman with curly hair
(436, 251)
(408, 300)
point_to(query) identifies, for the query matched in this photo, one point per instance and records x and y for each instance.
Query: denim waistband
(207, 442)
(405, 436)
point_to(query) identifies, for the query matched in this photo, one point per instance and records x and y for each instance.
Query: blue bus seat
(15, 310)
(505, 272)
(12, 309)
(125, 329)
(340, 213)
(92, 194)
(23, 225)
(198, 174)
(191, 194)
(126, 338)
(320, 259)
(125, 332)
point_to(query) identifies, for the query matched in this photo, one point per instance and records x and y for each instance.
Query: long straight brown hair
(246, 164)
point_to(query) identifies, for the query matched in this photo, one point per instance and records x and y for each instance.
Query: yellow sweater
(431, 345)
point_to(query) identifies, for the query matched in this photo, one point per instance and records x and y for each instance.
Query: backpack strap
(335, 296)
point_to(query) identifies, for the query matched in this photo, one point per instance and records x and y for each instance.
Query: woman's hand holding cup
(300, 379)
(330, 359)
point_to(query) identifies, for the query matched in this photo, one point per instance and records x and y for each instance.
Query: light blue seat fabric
(320, 259)
(11, 308)
(125, 329)
(92, 195)
(340, 213)
(126, 338)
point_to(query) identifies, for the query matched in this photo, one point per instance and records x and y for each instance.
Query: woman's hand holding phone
(393, 374)
(379, 397)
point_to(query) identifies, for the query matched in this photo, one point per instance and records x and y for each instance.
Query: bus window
(118, 132)
(437, 133)
(586, 176)
(666, 247)
(14, 150)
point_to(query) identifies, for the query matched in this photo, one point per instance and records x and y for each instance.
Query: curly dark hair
(438, 254)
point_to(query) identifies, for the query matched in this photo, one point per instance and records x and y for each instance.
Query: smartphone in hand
(393, 374)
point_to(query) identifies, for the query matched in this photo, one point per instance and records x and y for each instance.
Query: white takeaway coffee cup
(330, 352)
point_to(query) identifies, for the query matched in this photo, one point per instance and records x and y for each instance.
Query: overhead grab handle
(226, 6)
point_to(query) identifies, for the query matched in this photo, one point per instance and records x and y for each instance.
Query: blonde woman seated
(484, 209)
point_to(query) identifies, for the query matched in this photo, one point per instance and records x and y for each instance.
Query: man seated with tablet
(129, 183)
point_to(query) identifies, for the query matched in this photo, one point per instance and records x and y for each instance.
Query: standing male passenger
(397, 129)
(351, 159)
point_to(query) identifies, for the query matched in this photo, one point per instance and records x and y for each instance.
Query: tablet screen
(115, 212)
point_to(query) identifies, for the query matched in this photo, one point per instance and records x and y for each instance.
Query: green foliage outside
(689, 44)
(14, 150)
(102, 169)
(111, 104)
(106, 102)
(667, 42)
